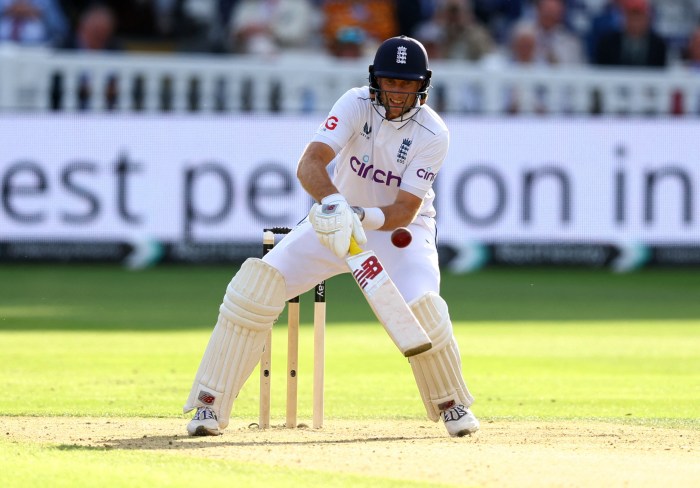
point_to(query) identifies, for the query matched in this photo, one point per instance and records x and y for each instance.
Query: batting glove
(334, 222)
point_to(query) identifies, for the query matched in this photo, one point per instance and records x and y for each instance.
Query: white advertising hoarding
(211, 179)
(573, 180)
(102, 178)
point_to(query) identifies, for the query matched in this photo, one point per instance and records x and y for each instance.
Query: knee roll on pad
(438, 371)
(253, 301)
(255, 296)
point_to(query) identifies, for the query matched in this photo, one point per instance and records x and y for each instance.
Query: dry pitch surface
(503, 453)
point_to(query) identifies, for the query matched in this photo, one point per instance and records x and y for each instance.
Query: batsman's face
(398, 96)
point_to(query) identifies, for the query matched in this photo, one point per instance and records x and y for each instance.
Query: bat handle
(354, 247)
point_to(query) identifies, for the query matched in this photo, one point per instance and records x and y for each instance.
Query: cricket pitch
(503, 453)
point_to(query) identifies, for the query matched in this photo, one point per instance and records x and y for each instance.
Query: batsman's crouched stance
(253, 301)
(256, 296)
(388, 146)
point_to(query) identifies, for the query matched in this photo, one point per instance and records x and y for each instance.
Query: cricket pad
(253, 301)
(438, 371)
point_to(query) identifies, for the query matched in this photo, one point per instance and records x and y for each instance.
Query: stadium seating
(34, 79)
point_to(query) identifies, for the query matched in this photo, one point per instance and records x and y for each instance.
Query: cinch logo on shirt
(368, 172)
(425, 174)
(331, 122)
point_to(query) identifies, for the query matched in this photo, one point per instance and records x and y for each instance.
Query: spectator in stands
(523, 45)
(32, 22)
(172, 18)
(377, 18)
(432, 36)
(578, 15)
(674, 21)
(521, 51)
(498, 16)
(217, 37)
(349, 43)
(556, 45)
(454, 33)
(72, 10)
(264, 27)
(413, 13)
(147, 25)
(203, 25)
(692, 51)
(608, 19)
(96, 31)
(137, 20)
(636, 44)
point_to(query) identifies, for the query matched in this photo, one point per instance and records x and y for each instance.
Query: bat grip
(354, 247)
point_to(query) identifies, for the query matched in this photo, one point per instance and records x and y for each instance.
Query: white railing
(45, 80)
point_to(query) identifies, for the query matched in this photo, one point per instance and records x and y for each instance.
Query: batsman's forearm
(402, 212)
(388, 217)
(312, 173)
(396, 216)
(316, 182)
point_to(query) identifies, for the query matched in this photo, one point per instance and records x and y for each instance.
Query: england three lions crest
(403, 151)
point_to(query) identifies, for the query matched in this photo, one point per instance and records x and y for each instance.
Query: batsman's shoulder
(432, 122)
(355, 99)
(358, 93)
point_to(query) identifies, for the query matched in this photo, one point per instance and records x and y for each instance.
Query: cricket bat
(388, 305)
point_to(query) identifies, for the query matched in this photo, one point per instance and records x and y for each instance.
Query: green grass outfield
(536, 344)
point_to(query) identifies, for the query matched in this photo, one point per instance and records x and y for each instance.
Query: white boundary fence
(44, 80)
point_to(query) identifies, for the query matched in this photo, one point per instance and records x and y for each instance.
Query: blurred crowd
(645, 33)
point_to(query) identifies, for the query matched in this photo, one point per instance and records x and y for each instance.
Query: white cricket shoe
(460, 421)
(204, 422)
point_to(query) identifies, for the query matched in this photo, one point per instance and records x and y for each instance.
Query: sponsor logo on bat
(368, 271)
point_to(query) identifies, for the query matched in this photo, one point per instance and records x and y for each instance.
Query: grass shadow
(36, 297)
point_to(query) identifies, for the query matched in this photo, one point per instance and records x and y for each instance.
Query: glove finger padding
(333, 222)
(358, 232)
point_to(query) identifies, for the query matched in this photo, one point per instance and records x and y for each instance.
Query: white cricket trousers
(304, 261)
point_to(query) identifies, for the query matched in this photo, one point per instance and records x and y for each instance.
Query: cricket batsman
(387, 146)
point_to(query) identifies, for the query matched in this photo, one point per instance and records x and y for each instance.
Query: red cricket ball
(401, 237)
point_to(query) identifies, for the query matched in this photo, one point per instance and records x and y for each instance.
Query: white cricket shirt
(376, 157)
